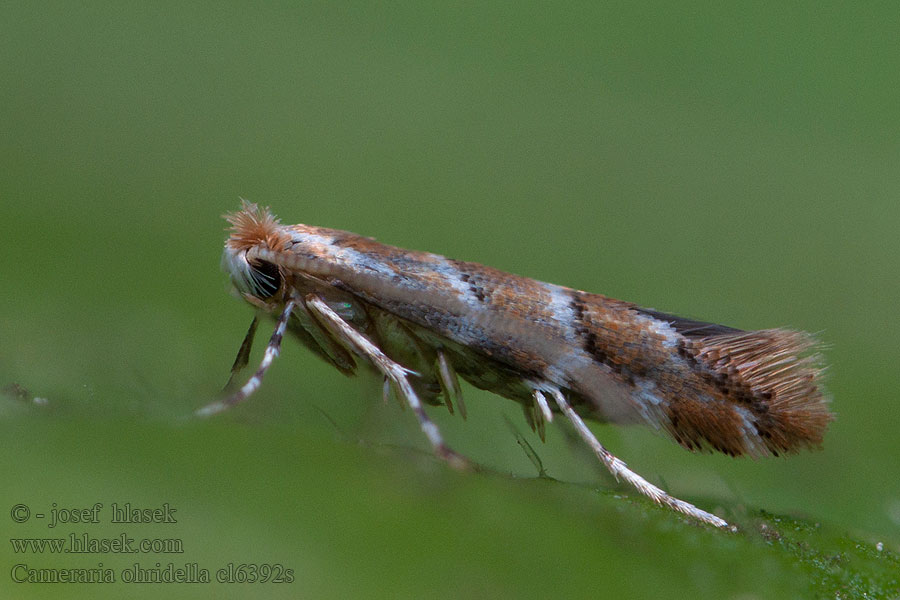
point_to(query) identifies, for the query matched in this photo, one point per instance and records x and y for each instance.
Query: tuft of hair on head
(254, 226)
(773, 378)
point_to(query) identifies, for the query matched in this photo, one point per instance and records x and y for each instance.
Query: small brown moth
(422, 319)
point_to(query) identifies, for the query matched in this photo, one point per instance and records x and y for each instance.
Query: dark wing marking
(688, 327)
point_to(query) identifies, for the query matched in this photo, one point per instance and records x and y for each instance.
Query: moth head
(254, 229)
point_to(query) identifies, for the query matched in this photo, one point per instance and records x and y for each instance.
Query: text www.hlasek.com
(87, 544)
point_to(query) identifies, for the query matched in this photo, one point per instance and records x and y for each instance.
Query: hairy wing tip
(770, 395)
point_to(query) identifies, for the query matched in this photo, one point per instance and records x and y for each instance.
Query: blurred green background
(728, 162)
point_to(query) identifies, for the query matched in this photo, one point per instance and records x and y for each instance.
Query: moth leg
(450, 383)
(542, 412)
(619, 470)
(254, 382)
(243, 355)
(393, 371)
(528, 411)
(386, 390)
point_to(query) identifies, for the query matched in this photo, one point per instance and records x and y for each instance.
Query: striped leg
(620, 470)
(254, 382)
(393, 371)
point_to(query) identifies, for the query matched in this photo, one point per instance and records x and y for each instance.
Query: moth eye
(266, 279)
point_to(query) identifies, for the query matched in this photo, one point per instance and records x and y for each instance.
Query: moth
(424, 320)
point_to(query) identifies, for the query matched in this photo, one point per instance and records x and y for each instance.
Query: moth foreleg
(620, 470)
(542, 412)
(272, 350)
(450, 384)
(243, 355)
(395, 372)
